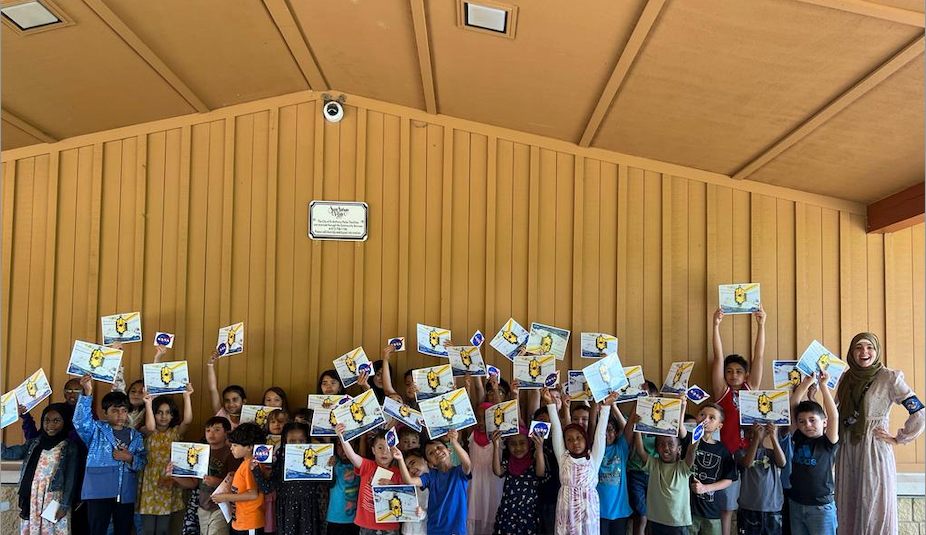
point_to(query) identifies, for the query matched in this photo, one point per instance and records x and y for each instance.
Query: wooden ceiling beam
(135, 42)
(630, 52)
(420, 22)
(27, 127)
(871, 9)
(899, 211)
(840, 103)
(297, 43)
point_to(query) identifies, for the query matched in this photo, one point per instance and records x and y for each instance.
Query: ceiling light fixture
(29, 15)
(487, 16)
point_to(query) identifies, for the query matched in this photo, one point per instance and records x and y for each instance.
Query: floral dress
(154, 499)
(45, 471)
(519, 512)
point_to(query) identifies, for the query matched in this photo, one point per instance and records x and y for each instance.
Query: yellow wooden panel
(204, 223)
(915, 374)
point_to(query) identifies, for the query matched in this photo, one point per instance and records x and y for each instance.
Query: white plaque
(334, 220)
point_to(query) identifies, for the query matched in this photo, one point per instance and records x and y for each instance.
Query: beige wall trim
(860, 88)
(135, 42)
(449, 123)
(420, 21)
(297, 43)
(622, 68)
(870, 9)
(27, 127)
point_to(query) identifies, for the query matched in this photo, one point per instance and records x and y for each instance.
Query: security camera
(333, 110)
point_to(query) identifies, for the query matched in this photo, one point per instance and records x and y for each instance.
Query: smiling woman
(866, 478)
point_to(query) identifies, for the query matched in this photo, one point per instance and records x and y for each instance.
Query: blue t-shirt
(446, 500)
(342, 500)
(612, 481)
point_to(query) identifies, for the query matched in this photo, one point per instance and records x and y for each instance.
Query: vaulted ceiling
(824, 96)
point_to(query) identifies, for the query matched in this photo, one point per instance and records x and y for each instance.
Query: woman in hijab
(48, 474)
(866, 481)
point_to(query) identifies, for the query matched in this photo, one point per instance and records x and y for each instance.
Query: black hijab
(45, 443)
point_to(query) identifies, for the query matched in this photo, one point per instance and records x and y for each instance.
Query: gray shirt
(760, 487)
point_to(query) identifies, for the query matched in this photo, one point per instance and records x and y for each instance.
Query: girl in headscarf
(48, 474)
(524, 469)
(577, 508)
(866, 479)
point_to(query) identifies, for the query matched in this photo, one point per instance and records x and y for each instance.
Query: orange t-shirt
(249, 514)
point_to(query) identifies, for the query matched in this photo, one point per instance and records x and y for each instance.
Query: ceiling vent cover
(488, 16)
(32, 16)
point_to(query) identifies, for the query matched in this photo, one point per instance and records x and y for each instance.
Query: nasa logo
(163, 339)
(222, 348)
(364, 368)
(262, 453)
(697, 433)
(550, 381)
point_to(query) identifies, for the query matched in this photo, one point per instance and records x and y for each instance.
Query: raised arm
(465, 463)
(387, 373)
(159, 353)
(349, 452)
(601, 429)
(690, 457)
(497, 454)
(829, 405)
(625, 425)
(150, 424)
(757, 365)
(637, 442)
(213, 382)
(777, 453)
(187, 409)
(83, 420)
(796, 396)
(540, 459)
(717, 380)
(556, 430)
(750, 454)
(403, 469)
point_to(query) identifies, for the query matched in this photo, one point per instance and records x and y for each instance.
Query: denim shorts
(636, 490)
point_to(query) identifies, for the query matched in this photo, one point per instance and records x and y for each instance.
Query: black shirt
(713, 462)
(812, 463)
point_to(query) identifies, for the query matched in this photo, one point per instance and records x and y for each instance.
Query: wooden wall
(201, 221)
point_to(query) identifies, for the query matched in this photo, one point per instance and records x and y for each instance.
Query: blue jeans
(813, 519)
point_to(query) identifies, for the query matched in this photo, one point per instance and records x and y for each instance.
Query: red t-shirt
(366, 517)
(730, 434)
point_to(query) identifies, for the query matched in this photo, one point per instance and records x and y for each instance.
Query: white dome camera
(333, 110)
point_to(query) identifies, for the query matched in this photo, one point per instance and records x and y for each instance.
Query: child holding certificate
(376, 471)
(229, 404)
(577, 507)
(159, 499)
(524, 470)
(300, 505)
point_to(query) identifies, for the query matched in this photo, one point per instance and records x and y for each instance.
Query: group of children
(593, 474)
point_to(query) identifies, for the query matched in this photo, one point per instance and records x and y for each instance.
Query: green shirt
(649, 444)
(668, 495)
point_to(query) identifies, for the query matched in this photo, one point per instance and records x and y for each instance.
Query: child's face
(492, 396)
(409, 390)
(735, 375)
(272, 399)
(668, 449)
(339, 451)
(811, 424)
(116, 416)
(72, 391)
(437, 453)
(518, 446)
(611, 433)
(416, 465)
(557, 399)
(330, 385)
(409, 441)
(300, 420)
(215, 435)
(239, 451)
(378, 378)
(575, 442)
(162, 416)
(275, 426)
(232, 402)
(580, 416)
(543, 417)
(53, 423)
(381, 453)
(711, 419)
(480, 419)
(137, 394)
(296, 436)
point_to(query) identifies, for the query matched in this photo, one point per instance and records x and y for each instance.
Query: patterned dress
(577, 509)
(154, 499)
(45, 470)
(519, 512)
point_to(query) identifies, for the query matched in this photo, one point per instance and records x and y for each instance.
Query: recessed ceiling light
(29, 15)
(485, 17)
(488, 16)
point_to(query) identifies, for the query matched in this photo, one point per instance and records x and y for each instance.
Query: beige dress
(866, 473)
